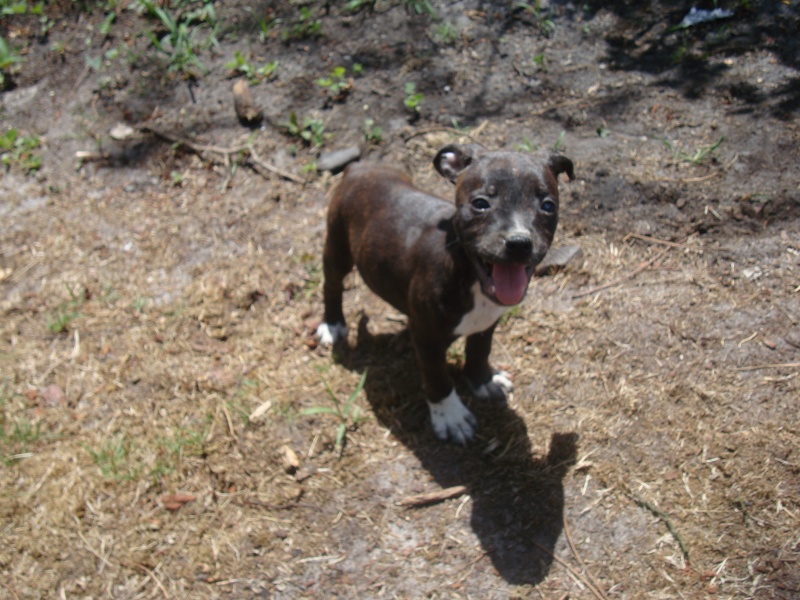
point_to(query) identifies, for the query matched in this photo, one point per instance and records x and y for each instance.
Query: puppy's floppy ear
(560, 164)
(451, 160)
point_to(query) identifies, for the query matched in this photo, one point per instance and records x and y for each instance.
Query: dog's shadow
(517, 498)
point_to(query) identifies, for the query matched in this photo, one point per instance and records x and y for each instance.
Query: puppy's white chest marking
(483, 315)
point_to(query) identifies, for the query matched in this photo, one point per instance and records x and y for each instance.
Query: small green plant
(180, 44)
(336, 85)
(413, 98)
(20, 151)
(539, 15)
(67, 312)
(446, 33)
(254, 75)
(558, 146)
(347, 412)
(357, 5)
(306, 26)
(372, 133)
(540, 61)
(9, 60)
(527, 145)
(113, 459)
(312, 131)
(602, 131)
(20, 7)
(699, 156)
(421, 7)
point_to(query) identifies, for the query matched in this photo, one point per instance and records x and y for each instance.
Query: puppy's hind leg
(337, 262)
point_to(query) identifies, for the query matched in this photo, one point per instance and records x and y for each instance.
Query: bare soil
(155, 294)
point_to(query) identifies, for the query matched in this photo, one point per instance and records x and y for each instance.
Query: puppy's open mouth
(505, 283)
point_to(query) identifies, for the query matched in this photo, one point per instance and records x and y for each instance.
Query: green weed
(180, 43)
(346, 412)
(446, 33)
(421, 7)
(558, 146)
(527, 145)
(357, 5)
(336, 85)
(254, 74)
(19, 151)
(413, 99)
(312, 131)
(699, 156)
(113, 458)
(306, 26)
(539, 15)
(9, 59)
(372, 133)
(67, 312)
(20, 7)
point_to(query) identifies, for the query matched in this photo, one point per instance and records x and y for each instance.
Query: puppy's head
(506, 213)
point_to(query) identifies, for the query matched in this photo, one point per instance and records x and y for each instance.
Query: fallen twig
(624, 278)
(652, 240)
(580, 560)
(439, 128)
(664, 517)
(770, 366)
(597, 593)
(428, 498)
(225, 153)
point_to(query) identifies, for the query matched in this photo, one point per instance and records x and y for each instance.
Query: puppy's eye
(481, 204)
(548, 206)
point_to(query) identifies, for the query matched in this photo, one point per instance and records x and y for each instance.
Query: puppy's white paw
(330, 333)
(452, 420)
(503, 379)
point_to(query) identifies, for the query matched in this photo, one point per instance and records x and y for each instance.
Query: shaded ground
(153, 297)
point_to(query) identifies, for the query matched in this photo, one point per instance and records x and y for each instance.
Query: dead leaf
(176, 501)
(53, 395)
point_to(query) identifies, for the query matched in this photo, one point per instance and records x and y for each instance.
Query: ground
(160, 290)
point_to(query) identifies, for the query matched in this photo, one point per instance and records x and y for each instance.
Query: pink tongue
(510, 282)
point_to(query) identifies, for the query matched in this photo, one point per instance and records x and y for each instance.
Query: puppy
(454, 269)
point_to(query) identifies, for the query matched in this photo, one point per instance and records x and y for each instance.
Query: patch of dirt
(160, 289)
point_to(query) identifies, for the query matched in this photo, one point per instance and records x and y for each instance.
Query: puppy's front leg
(486, 383)
(449, 417)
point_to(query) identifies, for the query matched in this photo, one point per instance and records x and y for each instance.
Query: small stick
(597, 593)
(226, 153)
(439, 128)
(652, 240)
(624, 278)
(420, 500)
(580, 560)
(11, 591)
(154, 578)
(771, 366)
(664, 517)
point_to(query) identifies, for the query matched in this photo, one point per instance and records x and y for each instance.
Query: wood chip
(306, 471)
(246, 110)
(428, 498)
(258, 414)
(289, 458)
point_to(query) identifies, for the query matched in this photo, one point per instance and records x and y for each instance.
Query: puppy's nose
(519, 245)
